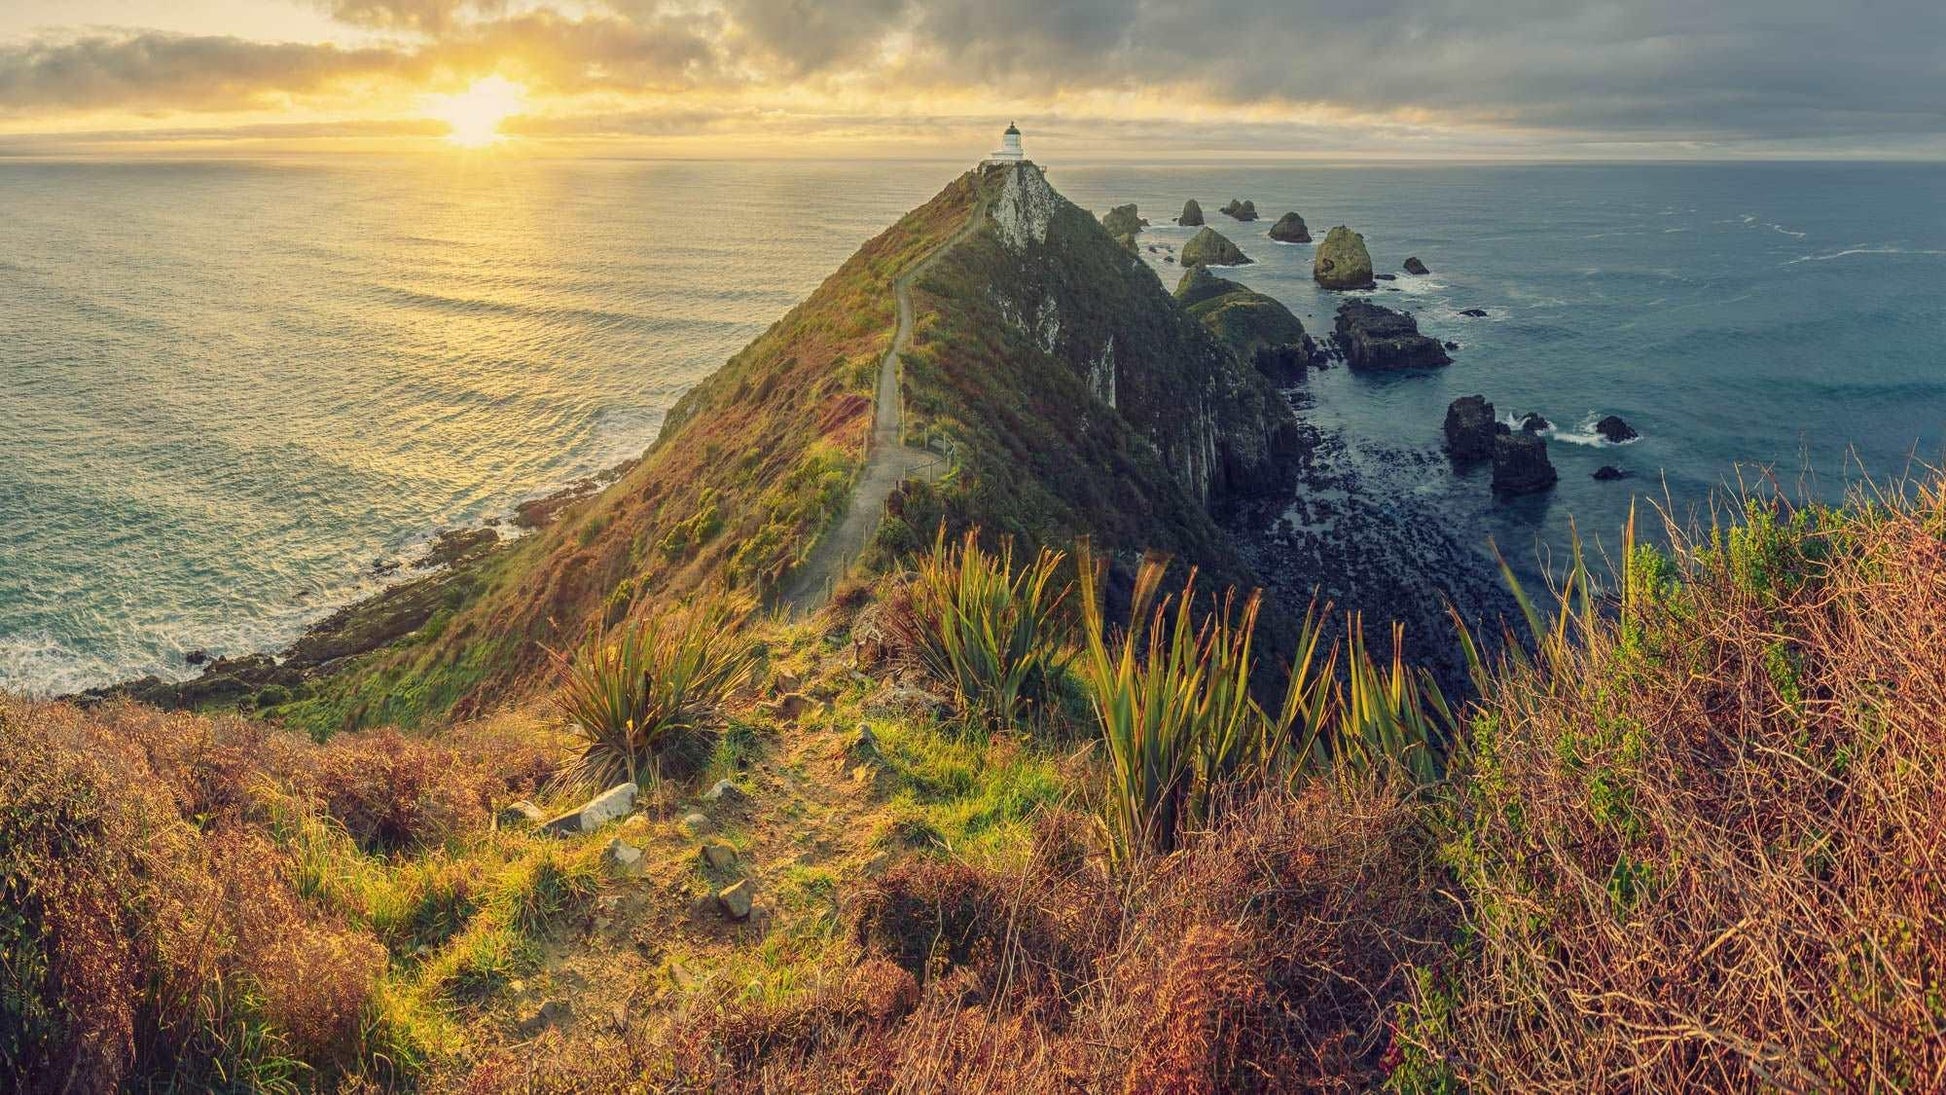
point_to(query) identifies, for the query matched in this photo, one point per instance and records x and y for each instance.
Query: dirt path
(888, 463)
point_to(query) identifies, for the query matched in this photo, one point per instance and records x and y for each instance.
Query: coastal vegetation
(1593, 871)
(1046, 796)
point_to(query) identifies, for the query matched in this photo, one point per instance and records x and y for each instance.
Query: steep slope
(751, 466)
(1076, 395)
(1050, 369)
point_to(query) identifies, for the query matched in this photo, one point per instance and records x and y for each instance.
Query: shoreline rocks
(1290, 228)
(1532, 422)
(1379, 338)
(1192, 214)
(1520, 463)
(1342, 261)
(1469, 428)
(1211, 248)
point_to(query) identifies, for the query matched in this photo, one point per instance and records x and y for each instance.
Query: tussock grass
(994, 635)
(1183, 733)
(628, 689)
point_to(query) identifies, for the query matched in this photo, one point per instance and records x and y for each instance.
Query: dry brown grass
(153, 931)
(1703, 843)
(1263, 958)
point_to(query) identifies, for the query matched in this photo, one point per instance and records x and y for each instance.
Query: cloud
(154, 71)
(1722, 71)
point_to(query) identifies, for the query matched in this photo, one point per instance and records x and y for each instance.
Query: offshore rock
(1520, 464)
(1609, 472)
(1532, 422)
(1414, 266)
(1211, 248)
(1123, 220)
(1469, 428)
(1256, 327)
(1290, 229)
(1379, 338)
(1192, 214)
(1342, 261)
(1241, 210)
(1614, 430)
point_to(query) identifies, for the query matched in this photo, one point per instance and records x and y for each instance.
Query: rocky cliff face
(1069, 298)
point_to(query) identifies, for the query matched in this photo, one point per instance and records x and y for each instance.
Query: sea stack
(1192, 214)
(1412, 265)
(1342, 261)
(1379, 338)
(1123, 220)
(1520, 464)
(1469, 428)
(1211, 248)
(1241, 210)
(1290, 229)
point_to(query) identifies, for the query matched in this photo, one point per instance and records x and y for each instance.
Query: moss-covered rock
(1211, 248)
(1123, 220)
(1257, 328)
(1290, 228)
(1342, 261)
(1192, 214)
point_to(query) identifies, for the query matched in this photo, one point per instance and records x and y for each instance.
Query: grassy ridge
(751, 465)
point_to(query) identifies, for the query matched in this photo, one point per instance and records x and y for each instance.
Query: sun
(476, 113)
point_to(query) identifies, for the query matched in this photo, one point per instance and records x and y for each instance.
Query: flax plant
(1183, 733)
(628, 688)
(993, 635)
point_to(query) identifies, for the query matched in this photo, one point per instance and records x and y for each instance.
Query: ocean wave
(1864, 249)
(1583, 432)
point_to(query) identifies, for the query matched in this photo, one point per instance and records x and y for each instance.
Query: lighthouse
(1009, 150)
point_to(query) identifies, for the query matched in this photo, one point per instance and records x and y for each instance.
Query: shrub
(147, 946)
(1701, 832)
(627, 691)
(992, 635)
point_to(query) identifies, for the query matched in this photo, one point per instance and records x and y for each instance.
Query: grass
(993, 635)
(626, 691)
(1697, 832)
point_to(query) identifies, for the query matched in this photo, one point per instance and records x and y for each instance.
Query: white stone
(613, 803)
(623, 858)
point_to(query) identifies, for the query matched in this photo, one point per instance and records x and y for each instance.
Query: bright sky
(1142, 78)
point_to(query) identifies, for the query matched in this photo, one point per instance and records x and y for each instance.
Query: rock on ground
(611, 804)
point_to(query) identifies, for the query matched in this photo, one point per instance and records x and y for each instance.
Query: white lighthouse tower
(1009, 150)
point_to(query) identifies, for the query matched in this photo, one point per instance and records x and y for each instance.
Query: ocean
(228, 388)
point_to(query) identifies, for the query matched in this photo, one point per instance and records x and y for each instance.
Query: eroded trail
(889, 462)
